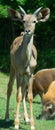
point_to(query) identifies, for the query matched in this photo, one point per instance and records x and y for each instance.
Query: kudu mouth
(47, 116)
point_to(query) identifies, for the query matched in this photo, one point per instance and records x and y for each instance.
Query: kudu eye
(50, 110)
(34, 21)
(23, 21)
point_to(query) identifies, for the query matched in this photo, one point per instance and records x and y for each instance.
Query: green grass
(39, 124)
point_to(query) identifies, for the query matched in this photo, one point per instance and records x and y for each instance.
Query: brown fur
(18, 42)
(42, 80)
(50, 94)
(49, 102)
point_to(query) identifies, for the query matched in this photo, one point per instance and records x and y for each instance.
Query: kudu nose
(27, 31)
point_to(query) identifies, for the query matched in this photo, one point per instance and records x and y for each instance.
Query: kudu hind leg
(9, 90)
(24, 89)
(25, 111)
(30, 98)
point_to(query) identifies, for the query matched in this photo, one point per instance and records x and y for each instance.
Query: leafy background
(44, 32)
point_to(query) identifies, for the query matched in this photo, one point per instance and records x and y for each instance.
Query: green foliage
(45, 32)
(5, 63)
(3, 11)
(46, 59)
(12, 3)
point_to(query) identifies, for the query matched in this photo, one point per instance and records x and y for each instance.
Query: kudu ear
(15, 14)
(43, 15)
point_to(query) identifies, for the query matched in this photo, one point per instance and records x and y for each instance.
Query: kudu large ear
(15, 14)
(43, 15)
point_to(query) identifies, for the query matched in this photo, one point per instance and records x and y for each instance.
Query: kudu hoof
(27, 121)
(32, 128)
(16, 127)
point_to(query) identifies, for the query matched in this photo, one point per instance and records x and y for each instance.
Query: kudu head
(30, 20)
(48, 103)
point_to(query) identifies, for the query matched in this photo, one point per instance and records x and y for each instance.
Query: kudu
(42, 80)
(48, 111)
(23, 60)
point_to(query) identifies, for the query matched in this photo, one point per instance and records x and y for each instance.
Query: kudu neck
(27, 38)
(27, 45)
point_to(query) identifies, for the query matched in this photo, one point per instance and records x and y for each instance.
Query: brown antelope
(42, 80)
(48, 103)
(23, 60)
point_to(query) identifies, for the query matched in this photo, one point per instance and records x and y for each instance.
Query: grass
(39, 124)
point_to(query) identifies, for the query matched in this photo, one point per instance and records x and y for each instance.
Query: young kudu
(23, 60)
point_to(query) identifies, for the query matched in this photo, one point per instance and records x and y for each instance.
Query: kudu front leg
(9, 90)
(19, 97)
(30, 98)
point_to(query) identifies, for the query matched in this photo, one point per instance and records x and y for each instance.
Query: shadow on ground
(37, 102)
(4, 124)
(8, 125)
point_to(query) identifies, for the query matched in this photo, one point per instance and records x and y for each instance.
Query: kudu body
(42, 80)
(23, 60)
